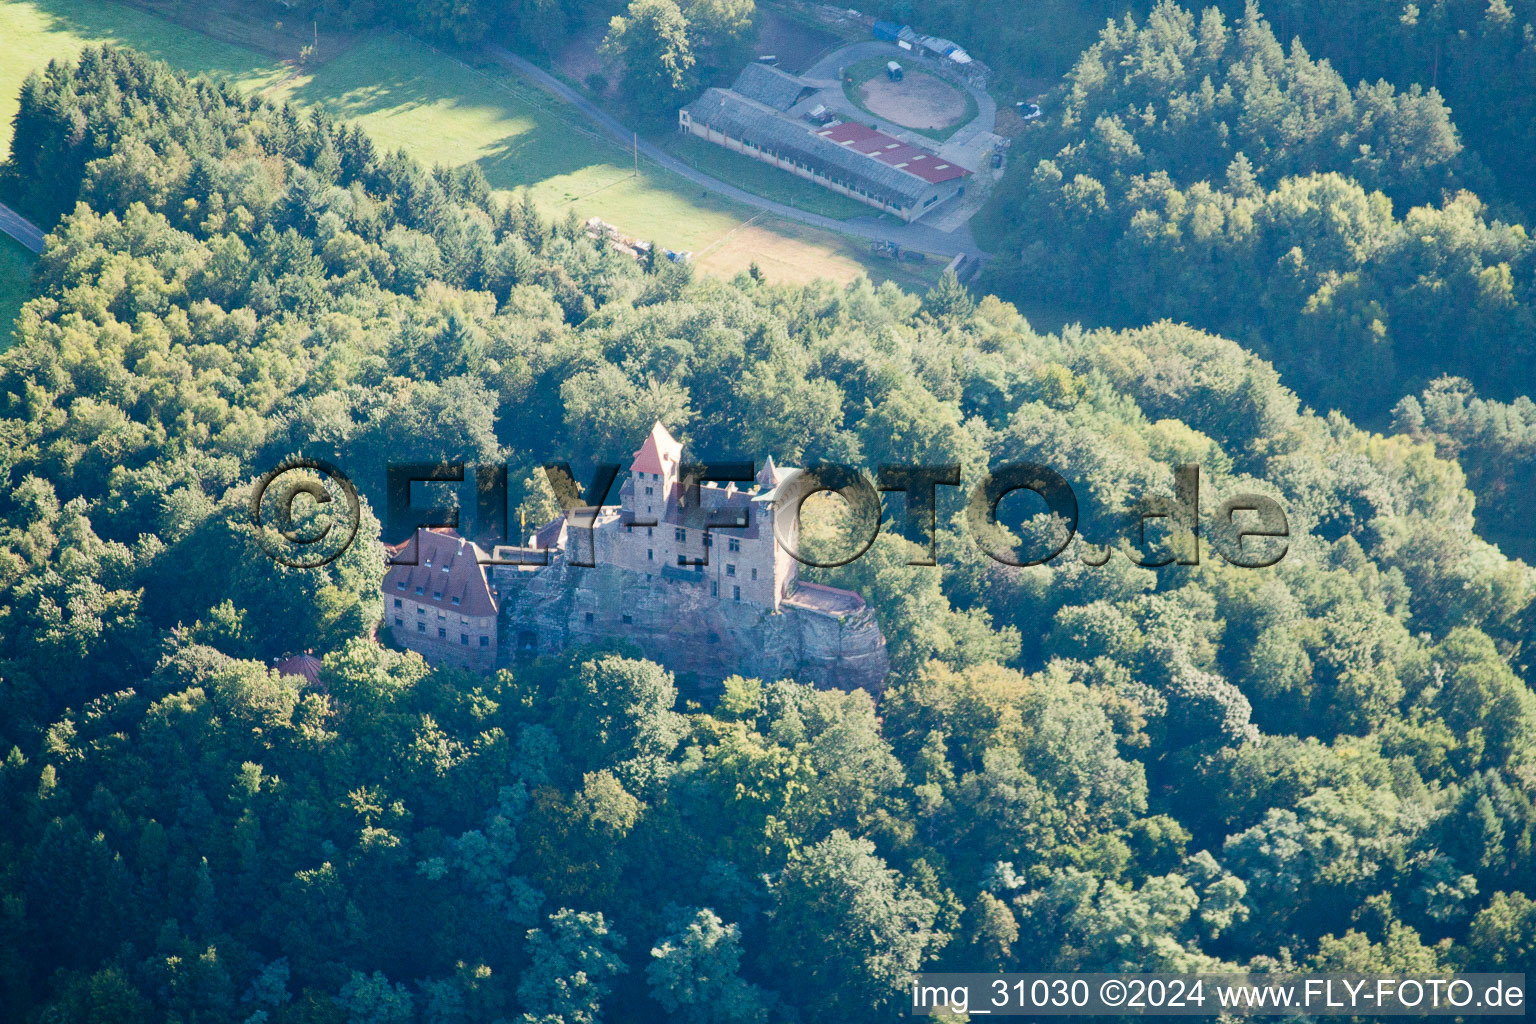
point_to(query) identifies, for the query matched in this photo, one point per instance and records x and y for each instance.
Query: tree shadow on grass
(98, 21)
(463, 114)
(16, 265)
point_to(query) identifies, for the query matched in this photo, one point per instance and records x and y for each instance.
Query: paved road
(21, 229)
(908, 236)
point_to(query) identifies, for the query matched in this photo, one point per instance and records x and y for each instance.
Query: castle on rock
(703, 602)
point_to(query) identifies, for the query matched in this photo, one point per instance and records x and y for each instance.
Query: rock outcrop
(819, 634)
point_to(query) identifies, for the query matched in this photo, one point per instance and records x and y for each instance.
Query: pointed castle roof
(768, 476)
(661, 453)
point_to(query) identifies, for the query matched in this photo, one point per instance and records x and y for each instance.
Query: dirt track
(919, 100)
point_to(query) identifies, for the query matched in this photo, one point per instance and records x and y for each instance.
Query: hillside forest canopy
(1324, 765)
(1341, 190)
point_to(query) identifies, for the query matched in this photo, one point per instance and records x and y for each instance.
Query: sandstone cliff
(826, 637)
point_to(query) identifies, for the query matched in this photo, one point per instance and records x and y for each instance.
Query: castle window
(397, 603)
(709, 541)
(628, 619)
(589, 618)
(421, 590)
(429, 563)
(421, 627)
(485, 641)
(680, 534)
(455, 600)
(464, 639)
(400, 585)
(445, 568)
(730, 570)
(733, 544)
(442, 634)
(650, 490)
(649, 530)
(736, 595)
(714, 588)
(682, 559)
(399, 621)
(650, 555)
(437, 595)
(442, 614)
(754, 574)
(420, 610)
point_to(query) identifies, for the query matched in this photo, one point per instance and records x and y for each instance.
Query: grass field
(442, 110)
(15, 284)
(794, 41)
(33, 32)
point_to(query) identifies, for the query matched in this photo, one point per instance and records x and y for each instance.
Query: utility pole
(637, 154)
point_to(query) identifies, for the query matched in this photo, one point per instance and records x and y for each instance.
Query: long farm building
(863, 163)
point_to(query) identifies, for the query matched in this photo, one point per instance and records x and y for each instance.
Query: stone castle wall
(676, 622)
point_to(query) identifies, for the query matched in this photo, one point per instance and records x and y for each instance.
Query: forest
(1202, 171)
(1327, 764)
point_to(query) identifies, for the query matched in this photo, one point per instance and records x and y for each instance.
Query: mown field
(33, 32)
(443, 110)
(15, 279)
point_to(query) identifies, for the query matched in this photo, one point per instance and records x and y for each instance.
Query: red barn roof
(888, 149)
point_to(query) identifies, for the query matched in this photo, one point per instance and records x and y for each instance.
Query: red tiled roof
(549, 533)
(305, 666)
(888, 149)
(447, 567)
(659, 449)
(824, 598)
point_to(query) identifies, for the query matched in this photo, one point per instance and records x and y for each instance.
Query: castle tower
(783, 569)
(653, 475)
(691, 593)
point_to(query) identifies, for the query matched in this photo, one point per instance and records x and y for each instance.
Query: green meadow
(15, 284)
(34, 32)
(444, 110)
